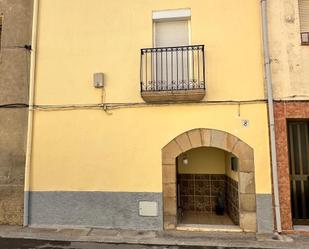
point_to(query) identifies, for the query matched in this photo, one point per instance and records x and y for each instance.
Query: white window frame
(170, 15)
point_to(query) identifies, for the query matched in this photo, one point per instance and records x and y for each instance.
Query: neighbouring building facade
(149, 115)
(15, 33)
(289, 40)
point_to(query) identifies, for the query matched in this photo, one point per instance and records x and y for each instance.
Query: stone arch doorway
(210, 138)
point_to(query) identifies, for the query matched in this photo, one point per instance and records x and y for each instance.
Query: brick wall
(284, 111)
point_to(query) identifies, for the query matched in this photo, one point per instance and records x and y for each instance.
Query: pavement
(40, 244)
(156, 238)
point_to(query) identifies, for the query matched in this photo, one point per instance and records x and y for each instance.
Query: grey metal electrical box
(148, 208)
(98, 80)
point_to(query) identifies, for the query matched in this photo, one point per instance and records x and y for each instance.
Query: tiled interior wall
(232, 199)
(198, 192)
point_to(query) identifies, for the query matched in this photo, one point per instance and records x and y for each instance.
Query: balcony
(173, 73)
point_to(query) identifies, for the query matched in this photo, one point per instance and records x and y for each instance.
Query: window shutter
(304, 15)
(171, 33)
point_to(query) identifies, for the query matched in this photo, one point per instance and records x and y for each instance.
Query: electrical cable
(26, 46)
(14, 105)
(287, 98)
(113, 106)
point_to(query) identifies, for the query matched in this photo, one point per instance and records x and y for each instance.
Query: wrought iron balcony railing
(173, 69)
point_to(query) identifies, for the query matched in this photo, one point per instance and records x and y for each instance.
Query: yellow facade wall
(203, 160)
(91, 150)
(207, 160)
(77, 38)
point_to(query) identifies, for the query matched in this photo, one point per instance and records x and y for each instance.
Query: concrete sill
(301, 228)
(174, 96)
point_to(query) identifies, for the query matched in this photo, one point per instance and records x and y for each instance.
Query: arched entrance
(217, 139)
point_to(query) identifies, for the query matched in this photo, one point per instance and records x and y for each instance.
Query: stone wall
(14, 82)
(289, 59)
(249, 217)
(94, 209)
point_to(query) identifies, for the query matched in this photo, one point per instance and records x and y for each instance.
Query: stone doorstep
(209, 228)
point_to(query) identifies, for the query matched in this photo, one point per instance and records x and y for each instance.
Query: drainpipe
(30, 112)
(270, 113)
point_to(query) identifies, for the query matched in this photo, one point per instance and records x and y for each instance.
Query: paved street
(40, 244)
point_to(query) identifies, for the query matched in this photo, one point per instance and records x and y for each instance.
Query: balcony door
(171, 66)
(299, 171)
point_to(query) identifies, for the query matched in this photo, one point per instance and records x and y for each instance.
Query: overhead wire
(113, 106)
